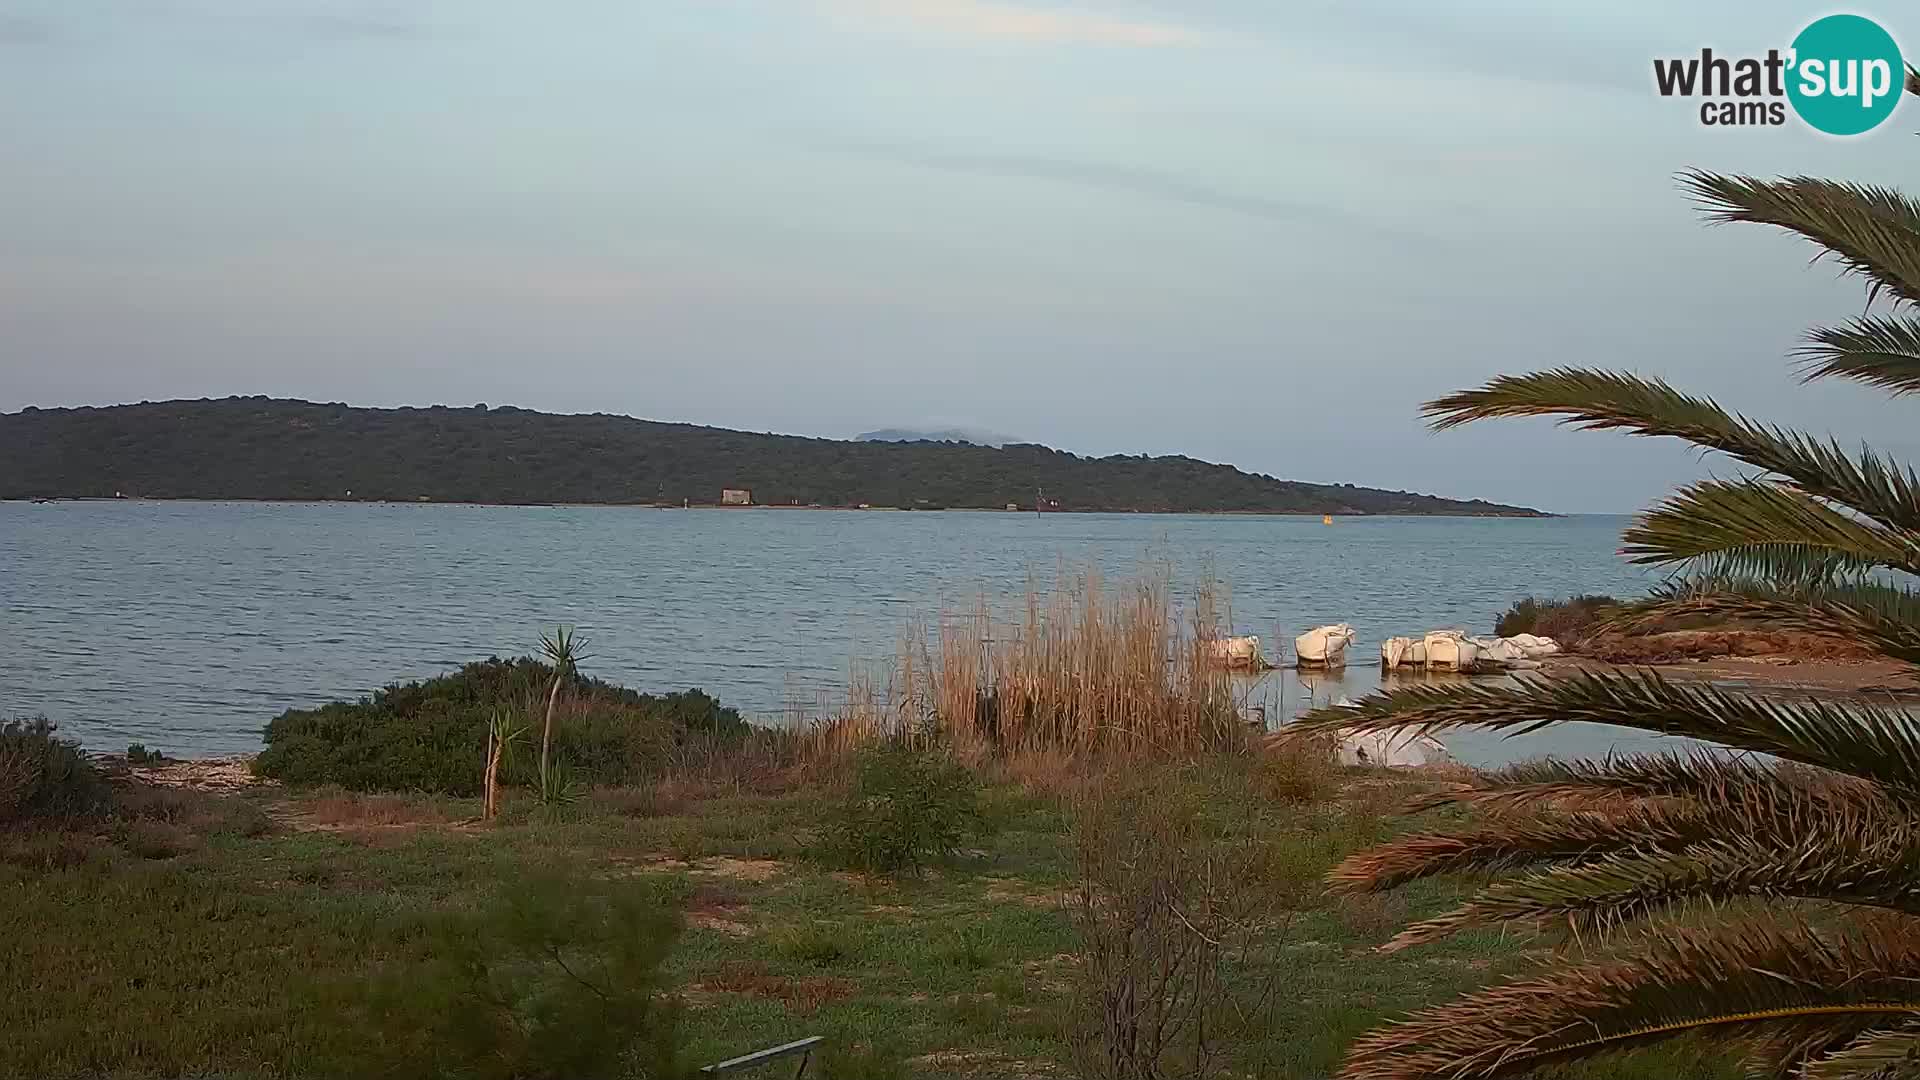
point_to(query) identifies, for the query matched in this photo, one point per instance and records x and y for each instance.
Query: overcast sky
(1247, 231)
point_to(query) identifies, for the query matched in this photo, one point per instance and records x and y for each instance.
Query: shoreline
(1878, 682)
(1336, 515)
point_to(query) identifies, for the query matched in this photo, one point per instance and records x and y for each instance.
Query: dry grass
(1683, 645)
(350, 809)
(801, 995)
(1078, 668)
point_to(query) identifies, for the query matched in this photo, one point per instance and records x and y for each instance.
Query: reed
(1074, 667)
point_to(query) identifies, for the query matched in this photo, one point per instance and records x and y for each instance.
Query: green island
(261, 448)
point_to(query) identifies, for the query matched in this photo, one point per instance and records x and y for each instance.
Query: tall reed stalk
(1075, 667)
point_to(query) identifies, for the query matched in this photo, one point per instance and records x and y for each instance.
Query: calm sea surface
(187, 626)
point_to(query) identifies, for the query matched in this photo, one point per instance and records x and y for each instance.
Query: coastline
(1533, 515)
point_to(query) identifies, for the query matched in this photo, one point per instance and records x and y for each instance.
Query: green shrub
(907, 806)
(560, 978)
(42, 775)
(1565, 621)
(138, 754)
(431, 735)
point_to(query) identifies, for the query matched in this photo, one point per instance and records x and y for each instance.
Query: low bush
(1299, 772)
(431, 735)
(42, 775)
(907, 806)
(558, 978)
(1175, 903)
(1565, 621)
(138, 754)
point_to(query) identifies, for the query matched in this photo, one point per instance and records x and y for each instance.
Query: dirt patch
(802, 995)
(982, 1062)
(719, 924)
(349, 808)
(718, 907)
(1011, 891)
(373, 820)
(716, 866)
(723, 866)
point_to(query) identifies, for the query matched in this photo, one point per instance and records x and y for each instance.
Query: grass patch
(271, 938)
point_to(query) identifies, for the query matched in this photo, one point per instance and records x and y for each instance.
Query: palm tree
(1766, 900)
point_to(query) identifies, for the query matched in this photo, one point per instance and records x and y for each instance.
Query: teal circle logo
(1846, 75)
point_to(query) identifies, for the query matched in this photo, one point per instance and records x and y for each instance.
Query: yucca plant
(562, 649)
(1763, 902)
(502, 733)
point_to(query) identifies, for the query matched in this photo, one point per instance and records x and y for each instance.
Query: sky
(1249, 232)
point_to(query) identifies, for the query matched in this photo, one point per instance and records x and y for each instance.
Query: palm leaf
(1784, 565)
(1883, 352)
(1603, 400)
(1743, 981)
(1644, 804)
(1517, 841)
(1873, 231)
(1864, 853)
(1718, 517)
(1695, 774)
(1876, 1055)
(1857, 739)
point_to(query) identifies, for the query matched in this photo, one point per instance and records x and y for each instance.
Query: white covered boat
(1324, 646)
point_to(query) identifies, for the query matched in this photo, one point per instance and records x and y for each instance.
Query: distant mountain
(959, 435)
(262, 448)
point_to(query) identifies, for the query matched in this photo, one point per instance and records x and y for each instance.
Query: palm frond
(1881, 617)
(1873, 231)
(1571, 813)
(1880, 351)
(1857, 739)
(1516, 841)
(1863, 853)
(1742, 981)
(1876, 1055)
(1605, 400)
(1787, 566)
(1718, 517)
(1695, 774)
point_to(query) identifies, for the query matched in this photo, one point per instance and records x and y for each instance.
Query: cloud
(1126, 180)
(1017, 22)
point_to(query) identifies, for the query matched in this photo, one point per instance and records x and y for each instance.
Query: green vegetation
(908, 807)
(432, 735)
(1761, 905)
(1566, 621)
(42, 775)
(138, 754)
(261, 448)
(317, 933)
